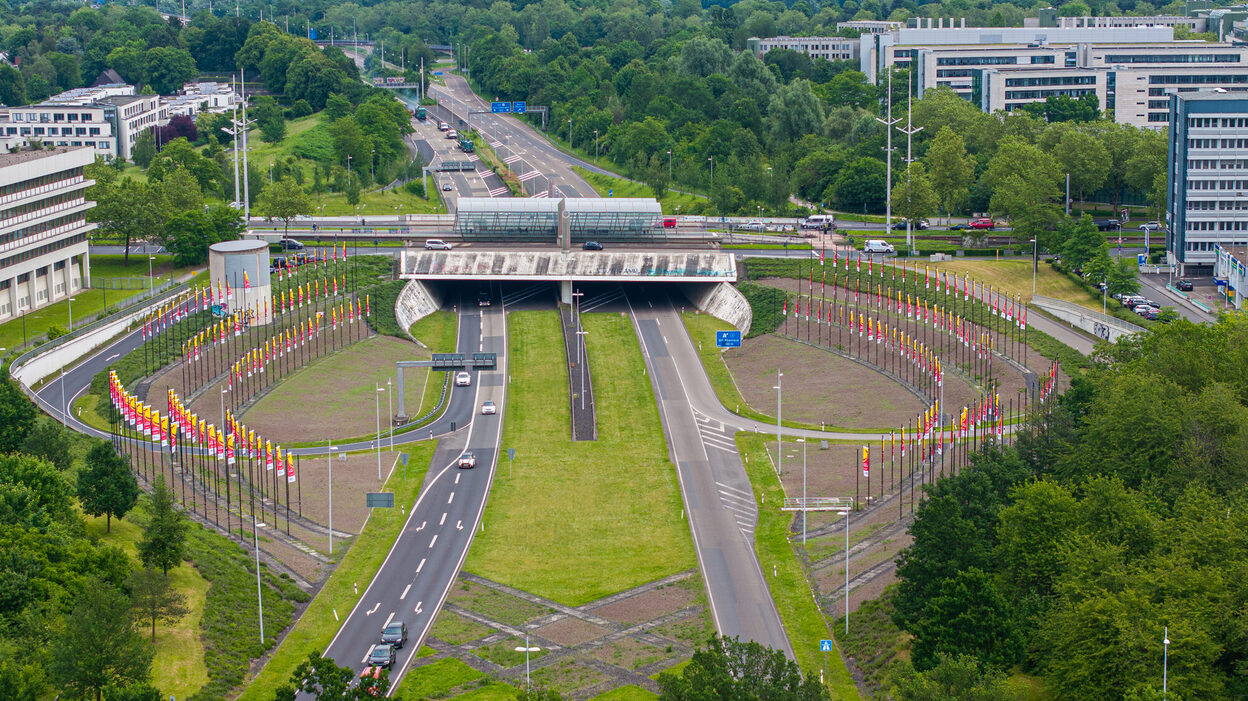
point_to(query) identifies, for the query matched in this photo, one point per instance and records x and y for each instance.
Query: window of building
(1172, 58)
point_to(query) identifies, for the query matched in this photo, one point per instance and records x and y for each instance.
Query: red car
(982, 223)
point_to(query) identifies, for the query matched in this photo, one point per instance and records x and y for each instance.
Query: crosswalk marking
(498, 191)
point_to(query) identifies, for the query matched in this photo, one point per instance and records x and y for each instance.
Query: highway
(424, 561)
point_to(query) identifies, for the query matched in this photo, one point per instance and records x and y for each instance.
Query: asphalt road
(417, 574)
(719, 501)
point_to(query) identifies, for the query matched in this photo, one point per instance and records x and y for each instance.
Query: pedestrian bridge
(564, 266)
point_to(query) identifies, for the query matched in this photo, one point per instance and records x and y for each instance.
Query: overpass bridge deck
(561, 266)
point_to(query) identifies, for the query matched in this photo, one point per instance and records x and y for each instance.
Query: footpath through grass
(320, 621)
(803, 621)
(575, 522)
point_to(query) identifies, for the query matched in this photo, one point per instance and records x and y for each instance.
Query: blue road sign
(511, 453)
(825, 646)
(611, 192)
(518, 107)
(437, 72)
(728, 339)
(500, 107)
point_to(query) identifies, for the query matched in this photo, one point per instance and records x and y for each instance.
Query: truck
(465, 145)
(421, 113)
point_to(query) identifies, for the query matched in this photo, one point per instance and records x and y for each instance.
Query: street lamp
(332, 449)
(377, 397)
(526, 650)
(1035, 263)
(570, 134)
(1165, 660)
(390, 408)
(595, 144)
(712, 160)
(803, 442)
(779, 446)
(348, 169)
(669, 164)
(372, 170)
(71, 313)
(151, 280)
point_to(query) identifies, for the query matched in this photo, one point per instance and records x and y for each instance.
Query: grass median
(607, 186)
(574, 522)
(803, 621)
(322, 618)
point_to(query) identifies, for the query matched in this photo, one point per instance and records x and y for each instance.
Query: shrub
(55, 331)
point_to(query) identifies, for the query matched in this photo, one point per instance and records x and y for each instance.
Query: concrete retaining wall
(415, 302)
(722, 301)
(1100, 325)
(45, 364)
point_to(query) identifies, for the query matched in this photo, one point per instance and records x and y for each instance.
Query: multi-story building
(1048, 18)
(1230, 272)
(207, 96)
(43, 227)
(108, 118)
(871, 26)
(1207, 187)
(830, 48)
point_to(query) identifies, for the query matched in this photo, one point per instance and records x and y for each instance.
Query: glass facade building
(536, 220)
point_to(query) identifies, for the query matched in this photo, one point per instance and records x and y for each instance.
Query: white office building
(830, 48)
(1207, 197)
(43, 227)
(109, 118)
(207, 96)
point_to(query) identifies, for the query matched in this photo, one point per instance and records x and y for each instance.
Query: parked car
(436, 245)
(276, 264)
(1150, 226)
(1151, 314)
(1185, 285)
(591, 246)
(878, 246)
(981, 223)
(463, 379)
(290, 245)
(753, 226)
(488, 408)
(1144, 310)
(382, 656)
(957, 227)
(467, 460)
(395, 633)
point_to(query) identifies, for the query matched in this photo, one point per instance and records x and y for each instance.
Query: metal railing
(1071, 307)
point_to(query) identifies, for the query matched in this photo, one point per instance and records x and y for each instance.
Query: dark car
(382, 656)
(1185, 285)
(901, 225)
(290, 245)
(483, 299)
(957, 227)
(395, 634)
(592, 246)
(276, 264)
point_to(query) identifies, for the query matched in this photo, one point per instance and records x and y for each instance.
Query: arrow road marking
(422, 526)
(373, 609)
(418, 611)
(435, 539)
(459, 525)
(420, 566)
(443, 521)
(114, 355)
(404, 594)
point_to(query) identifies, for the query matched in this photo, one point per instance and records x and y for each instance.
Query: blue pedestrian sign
(500, 107)
(519, 107)
(728, 339)
(825, 646)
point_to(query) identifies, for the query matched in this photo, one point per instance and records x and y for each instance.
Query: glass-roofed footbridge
(566, 221)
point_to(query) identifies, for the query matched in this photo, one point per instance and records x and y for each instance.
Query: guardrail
(1094, 322)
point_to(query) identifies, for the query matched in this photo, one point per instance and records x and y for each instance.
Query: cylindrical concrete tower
(244, 265)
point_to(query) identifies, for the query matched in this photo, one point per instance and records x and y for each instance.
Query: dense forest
(1118, 522)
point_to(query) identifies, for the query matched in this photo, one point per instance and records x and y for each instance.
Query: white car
(488, 407)
(1150, 226)
(436, 245)
(753, 226)
(462, 379)
(467, 460)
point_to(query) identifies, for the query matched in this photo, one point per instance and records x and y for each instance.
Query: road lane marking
(457, 474)
(459, 525)
(373, 609)
(404, 594)
(388, 619)
(422, 526)
(418, 610)
(450, 498)
(442, 522)
(435, 539)
(114, 355)
(420, 566)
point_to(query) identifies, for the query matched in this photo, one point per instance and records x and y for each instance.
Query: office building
(830, 48)
(1207, 161)
(1230, 273)
(109, 118)
(195, 98)
(871, 26)
(43, 227)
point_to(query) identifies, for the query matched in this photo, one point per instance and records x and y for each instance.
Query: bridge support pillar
(565, 291)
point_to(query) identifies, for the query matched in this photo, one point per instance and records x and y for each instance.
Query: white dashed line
(451, 498)
(404, 594)
(420, 566)
(435, 539)
(443, 521)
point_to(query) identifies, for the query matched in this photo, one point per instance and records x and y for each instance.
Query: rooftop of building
(29, 154)
(1239, 253)
(122, 99)
(1212, 95)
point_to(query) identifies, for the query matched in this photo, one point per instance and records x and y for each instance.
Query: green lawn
(320, 621)
(438, 332)
(597, 517)
(803, 621)
(178, 669)
(628, 188)
(436, 679)
(627, 693)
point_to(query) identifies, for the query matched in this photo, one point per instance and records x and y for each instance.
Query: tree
(353, 191)
(17, 415)
(33, 494)
(951, 168)
(1084, 158)
(794, 110)
(189, 234)
(164, 537)
(1123, 278)
(284, 200)
(968, 615)
(154, 598)
(860, 186)
(12, 86)
(169, 69)
(179, 191)
(99, 645)
(49, 441)
(144, 149)
(1083, 240)
(962, 678)
(322, 679)
(730, 668)
(913, 195)
(107, 486)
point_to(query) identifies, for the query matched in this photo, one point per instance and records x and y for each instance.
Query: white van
(819, 221)
(436, 245)
(878, 246)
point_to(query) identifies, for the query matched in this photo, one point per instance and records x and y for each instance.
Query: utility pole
(909, 130)
(888, 123)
